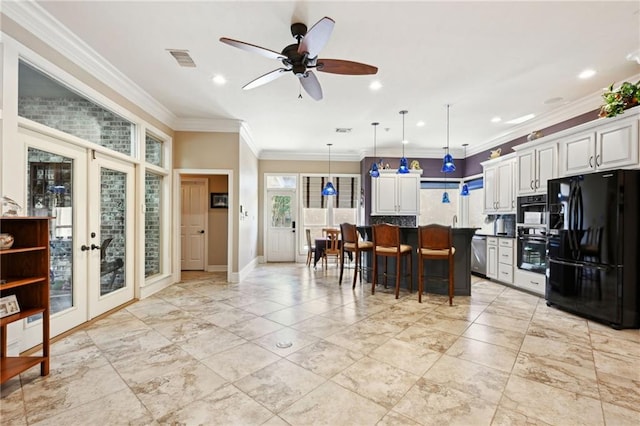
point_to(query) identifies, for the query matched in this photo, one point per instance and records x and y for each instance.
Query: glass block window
(152, 223)
(153, 150)
(48, 102)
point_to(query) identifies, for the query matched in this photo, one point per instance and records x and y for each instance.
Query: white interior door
(193, 224)
(281, 230)
(111, 234)
(57, 186)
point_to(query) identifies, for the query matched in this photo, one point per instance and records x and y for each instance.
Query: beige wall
(248, 199)
(211, 150)
(218, 224)
(295, 167)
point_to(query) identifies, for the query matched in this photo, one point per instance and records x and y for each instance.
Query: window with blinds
(320, 212)
(312, 192)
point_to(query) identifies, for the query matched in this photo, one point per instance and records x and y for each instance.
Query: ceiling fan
(302, 57)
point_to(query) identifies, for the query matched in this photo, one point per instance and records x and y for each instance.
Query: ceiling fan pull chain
(299, 90)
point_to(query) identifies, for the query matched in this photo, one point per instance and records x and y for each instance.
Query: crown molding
(222, 125)
(562, 113)
(307, 156)
(247, 137)
(40, 23)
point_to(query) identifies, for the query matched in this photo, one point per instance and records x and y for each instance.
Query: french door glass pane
(50, 193)
(152, 247)
(281, 211)
(113, 196)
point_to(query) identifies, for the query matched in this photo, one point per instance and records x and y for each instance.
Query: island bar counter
(462, 263)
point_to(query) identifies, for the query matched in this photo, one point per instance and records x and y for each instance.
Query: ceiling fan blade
(311, 85)
(264, 79)
(339, 66)
(316, 37)
(253, 48)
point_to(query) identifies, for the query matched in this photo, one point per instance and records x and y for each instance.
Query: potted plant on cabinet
(616, 101)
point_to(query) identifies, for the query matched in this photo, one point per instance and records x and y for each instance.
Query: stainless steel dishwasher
(479, 255)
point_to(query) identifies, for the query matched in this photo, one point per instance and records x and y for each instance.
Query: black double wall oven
(531, 221)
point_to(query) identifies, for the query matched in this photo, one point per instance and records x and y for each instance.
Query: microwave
(532, 209)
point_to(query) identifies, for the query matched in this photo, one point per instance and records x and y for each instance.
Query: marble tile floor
(288, 346)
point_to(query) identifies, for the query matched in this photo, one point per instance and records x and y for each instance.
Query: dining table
(321, 245)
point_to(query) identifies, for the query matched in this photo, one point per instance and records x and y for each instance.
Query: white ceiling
(486, 59)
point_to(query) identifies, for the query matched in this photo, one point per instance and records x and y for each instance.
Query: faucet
(455, 220)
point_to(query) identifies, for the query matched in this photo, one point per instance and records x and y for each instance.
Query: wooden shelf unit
(24, 271)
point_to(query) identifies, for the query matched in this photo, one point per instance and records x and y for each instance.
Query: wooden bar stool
(435, 243)
(351, 243)
(386, 242)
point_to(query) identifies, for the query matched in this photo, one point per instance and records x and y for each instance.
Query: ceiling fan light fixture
(447, 161)
(404, 166)
(329, 189)
(374, 172)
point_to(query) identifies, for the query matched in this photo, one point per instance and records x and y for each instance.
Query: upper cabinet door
(577, 154)
(526, 172)
(617, 145)
(546, 166)
(409, 194)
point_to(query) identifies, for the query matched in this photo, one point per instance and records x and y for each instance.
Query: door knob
(95, 247)
(202, 231)
(84, 248)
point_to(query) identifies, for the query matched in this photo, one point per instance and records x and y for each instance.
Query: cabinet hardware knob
(531, 185)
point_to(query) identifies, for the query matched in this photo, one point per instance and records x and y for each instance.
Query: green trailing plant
(616, 101)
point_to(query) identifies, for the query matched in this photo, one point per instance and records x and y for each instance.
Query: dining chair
(435, 242)
(351, 244)
(386, 243)
(311, 248)
(332, 247)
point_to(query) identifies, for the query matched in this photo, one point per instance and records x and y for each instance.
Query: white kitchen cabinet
(396, 194)
(535, 167)
(499, 194)
(530, 281)
(492, 257)
(505, 260)
(609, 146)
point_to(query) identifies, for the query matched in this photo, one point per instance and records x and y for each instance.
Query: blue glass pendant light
(445, 197)
(329, 188)
(374, 173)
(464, 191)
(447, 162)
(404, 166)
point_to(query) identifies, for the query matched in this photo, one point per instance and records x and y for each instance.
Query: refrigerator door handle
(581, 264)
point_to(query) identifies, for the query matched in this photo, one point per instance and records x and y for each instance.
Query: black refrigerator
(593, 244)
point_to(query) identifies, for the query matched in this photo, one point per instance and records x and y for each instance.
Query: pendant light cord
(447, 128)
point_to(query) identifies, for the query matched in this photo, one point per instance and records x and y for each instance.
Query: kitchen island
(462, 263)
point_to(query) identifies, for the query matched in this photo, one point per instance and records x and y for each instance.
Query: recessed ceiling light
(218, 79)
(375, 85)
(496, 119)
(588, 73)
(420, 123)
(521, 119)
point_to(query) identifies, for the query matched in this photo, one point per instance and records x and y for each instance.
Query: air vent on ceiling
(183, 58)
(343, 130)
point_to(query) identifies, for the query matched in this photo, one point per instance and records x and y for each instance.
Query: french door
(90, 200)
(282, 226)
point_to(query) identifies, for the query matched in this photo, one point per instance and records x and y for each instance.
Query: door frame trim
(176, 213)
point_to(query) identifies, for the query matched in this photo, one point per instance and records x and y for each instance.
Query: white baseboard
(239, 276)
(155, 286)
(216, 268)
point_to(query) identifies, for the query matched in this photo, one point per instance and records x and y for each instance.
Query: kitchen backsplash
(394, 220)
